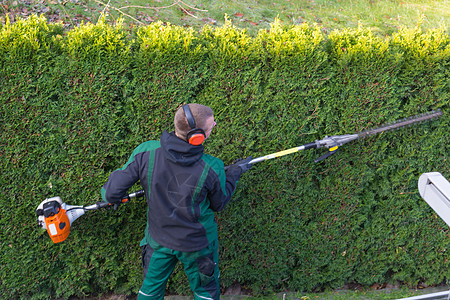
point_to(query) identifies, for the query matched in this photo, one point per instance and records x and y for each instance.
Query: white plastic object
(435, 190)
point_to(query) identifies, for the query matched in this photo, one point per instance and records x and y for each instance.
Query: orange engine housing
(58, 225)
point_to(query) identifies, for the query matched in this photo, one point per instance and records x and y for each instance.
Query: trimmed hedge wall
(74, 104)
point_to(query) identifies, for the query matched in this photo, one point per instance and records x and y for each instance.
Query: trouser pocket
(147, 252)
(206, 267)
(143, 251)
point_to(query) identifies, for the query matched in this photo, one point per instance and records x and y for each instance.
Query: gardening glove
(243, 163)
(239, 167)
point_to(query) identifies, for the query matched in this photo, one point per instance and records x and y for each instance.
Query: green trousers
(201, 267)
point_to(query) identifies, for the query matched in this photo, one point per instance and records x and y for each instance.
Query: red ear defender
(195, 136)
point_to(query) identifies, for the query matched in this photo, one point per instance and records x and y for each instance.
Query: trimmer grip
(137, 194)
(102, 204)
(326, 155)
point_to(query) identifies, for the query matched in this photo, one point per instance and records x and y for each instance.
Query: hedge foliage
(74, 104)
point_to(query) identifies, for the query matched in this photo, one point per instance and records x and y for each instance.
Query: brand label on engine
(52, 229)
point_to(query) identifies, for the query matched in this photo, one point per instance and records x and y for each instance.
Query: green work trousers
(201, 267)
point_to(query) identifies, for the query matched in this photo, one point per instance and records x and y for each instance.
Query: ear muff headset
(195, 136)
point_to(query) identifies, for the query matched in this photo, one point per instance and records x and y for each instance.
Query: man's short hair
(200, 113)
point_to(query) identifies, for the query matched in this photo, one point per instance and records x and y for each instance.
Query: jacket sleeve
(222, 187)
(115, 189)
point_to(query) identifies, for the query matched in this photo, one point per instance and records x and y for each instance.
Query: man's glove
(238, 167)
(243, 163)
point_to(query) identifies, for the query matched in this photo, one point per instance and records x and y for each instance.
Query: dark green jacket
(183, 188)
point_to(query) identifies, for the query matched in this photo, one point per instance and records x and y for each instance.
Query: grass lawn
(382, 16)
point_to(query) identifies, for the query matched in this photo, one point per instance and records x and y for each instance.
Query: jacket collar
(178, 150)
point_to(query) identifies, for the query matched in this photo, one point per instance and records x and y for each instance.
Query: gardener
(183, 187)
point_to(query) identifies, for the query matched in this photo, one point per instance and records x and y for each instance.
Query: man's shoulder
(147, 146)
(215, 163)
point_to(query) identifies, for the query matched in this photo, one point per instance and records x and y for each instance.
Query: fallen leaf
(238, 15)
(210, 20)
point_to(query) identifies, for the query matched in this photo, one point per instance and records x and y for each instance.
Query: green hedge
(74, 104)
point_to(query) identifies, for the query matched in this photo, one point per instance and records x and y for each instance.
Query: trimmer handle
(137, 194)
(103, 204)
(326, 155)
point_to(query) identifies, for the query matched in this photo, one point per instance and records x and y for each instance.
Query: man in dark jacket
(183, 187)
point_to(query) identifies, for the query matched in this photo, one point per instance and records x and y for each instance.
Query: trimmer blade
(402, 123)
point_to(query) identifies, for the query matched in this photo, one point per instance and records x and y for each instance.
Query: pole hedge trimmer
(57, 217)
